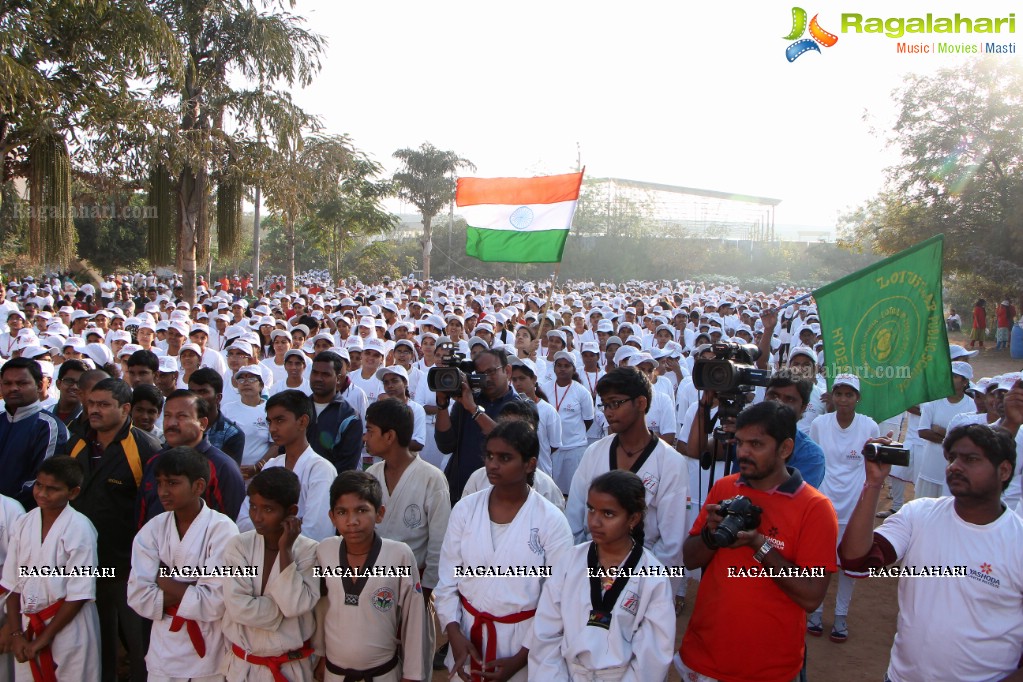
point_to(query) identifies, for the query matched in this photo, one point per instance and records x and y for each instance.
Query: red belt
(275, 662)
(194, 633)
(43, 667)
(485, 621)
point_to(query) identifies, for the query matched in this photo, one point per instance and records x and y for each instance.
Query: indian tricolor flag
(518, 220)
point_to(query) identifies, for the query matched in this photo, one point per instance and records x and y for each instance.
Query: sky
(680, 93)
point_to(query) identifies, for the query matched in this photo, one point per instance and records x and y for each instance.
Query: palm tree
(426, 180)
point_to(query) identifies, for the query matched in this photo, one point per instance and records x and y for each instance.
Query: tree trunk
(289, 234)
(191, 221)
(255, 244)
(427, 243)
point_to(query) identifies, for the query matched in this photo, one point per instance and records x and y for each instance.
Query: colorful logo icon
(985, 568)
(818, 36)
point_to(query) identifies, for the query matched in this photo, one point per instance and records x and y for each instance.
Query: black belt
(352, 675)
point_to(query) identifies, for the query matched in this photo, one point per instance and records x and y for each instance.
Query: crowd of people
(267, 485)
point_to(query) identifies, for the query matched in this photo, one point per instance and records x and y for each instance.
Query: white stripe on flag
(525, 218)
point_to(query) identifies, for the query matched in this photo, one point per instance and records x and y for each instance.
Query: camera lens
(719, 376)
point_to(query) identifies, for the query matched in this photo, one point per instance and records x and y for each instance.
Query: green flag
(886, 325)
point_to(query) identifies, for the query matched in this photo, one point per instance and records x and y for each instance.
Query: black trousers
(117, 621)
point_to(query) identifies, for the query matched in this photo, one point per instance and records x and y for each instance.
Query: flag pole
(547, 306)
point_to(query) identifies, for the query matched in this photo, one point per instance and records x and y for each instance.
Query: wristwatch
(478, 412)
(759, 555)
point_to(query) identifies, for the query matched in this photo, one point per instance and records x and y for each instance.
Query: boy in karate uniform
(10, 511)
(288, 414)
(269, 619)
(176, 573)
(372, 603)
(415, 494)
(52, 624)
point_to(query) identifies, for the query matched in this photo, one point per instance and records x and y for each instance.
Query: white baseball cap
(963, 369)
(850, 380)
(393, 369)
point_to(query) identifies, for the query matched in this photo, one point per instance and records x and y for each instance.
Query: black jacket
(109, 491)
(336, 434)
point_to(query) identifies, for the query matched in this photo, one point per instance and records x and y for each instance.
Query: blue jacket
(227, 437)
(224, 492)
(27, 438)
(808, 457)
(336, 434)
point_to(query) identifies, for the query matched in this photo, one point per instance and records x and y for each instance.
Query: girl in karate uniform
(507, 527)
(593, 625)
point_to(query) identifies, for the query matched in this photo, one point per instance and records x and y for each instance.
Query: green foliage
(960, 133)
(427, 181)
(111, 228)
(604, 211)
(378, 260)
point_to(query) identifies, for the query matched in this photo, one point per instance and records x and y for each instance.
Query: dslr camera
(451, 368)
(740, 514)
(894, 454)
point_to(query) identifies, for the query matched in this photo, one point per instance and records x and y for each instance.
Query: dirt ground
(872, 615)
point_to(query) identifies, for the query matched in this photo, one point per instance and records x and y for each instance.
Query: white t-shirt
(252, 421)
(575, 406)
(965, 628)
(661, 416)
(931, 455)
(844, 475)
(372, 387)
(549, 433)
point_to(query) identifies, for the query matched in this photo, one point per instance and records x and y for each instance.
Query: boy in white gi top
(288, 414)
(372, 605)
(10, 511)
(626, 395)
(176, 576)
(51, 621)
(594, 623)
(269, 620)
(415, 495)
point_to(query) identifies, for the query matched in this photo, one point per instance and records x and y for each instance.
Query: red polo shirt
(748, 629)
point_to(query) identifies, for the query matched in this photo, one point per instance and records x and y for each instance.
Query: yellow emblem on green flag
(886, 325)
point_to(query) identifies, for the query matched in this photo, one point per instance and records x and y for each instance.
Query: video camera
(446, 376)
(731, 375)
(894, 454)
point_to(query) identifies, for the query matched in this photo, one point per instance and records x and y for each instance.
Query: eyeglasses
(68, 381)
(614, 404)
(492, 371)
(246, 378)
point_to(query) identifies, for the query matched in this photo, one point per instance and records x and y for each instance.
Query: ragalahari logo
(817, 35)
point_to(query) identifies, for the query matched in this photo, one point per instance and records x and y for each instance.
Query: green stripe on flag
(506, 246)
(886, 324)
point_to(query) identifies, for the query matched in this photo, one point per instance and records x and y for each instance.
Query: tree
(607, 210)
(350, 211)
(426, 180)
(306, 171)
(960, 133)
(69, 71)
(209, 130)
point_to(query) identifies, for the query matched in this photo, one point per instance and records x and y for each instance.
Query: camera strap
(602, 603)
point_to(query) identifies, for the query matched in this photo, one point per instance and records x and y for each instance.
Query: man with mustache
(185, 421)
(965, 624)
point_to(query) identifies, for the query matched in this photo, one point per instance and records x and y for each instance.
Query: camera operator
(967, 627)
(460, 433)
(751, 628)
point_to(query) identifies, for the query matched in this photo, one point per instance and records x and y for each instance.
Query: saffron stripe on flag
(503, 246)
(525, 218)
(543, 190)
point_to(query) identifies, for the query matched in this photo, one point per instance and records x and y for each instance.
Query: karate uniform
(387, 613)
(71, 541)
(274, 622)
(637, 646)
(417, 514)
(315, 474)
(665, 476)
(10, 511)
(176, 655)
(537, 536)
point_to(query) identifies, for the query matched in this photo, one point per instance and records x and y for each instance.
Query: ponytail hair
(627, 489)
